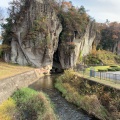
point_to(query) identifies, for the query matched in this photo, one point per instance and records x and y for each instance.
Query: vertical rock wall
(31, 45)
(69, 52)
(36, 38)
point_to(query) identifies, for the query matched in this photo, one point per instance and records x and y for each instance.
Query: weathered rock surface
(36, 52)
(69, 53)
(37, 46)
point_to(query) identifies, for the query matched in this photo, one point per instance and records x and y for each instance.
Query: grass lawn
(98, 67)
(8, 70)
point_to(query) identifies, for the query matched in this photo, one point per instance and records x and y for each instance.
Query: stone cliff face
(36, 40)
(31, 45)
(70, 51)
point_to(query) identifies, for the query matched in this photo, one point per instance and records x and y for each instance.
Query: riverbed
(63, 109)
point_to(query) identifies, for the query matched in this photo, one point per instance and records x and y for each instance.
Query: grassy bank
(96, 68)
(27, 104)
(8, 70)
(96, 99)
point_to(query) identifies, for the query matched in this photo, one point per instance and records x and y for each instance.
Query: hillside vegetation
(110, 37)
(102, 57)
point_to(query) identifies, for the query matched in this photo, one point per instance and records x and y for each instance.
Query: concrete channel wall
(9, 85)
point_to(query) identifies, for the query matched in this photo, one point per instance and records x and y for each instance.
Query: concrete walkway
(103, 82)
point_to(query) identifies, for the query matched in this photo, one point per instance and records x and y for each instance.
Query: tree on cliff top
(74, 20)
(16, 10)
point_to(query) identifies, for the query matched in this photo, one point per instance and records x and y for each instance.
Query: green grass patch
(33, 104)
(27, 104)
(111, 69)
(104, 68)
(96, 68)
(24, 94)
(60, 87)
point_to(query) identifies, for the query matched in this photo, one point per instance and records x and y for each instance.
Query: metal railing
(112, 76)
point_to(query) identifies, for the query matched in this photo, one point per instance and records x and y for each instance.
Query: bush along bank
(98, 100)
(27, 104)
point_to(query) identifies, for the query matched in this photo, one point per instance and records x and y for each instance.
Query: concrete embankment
(9, 85)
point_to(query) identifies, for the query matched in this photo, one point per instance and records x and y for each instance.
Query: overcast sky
(98, 9)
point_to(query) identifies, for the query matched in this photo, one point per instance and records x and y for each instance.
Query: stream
(64, 109)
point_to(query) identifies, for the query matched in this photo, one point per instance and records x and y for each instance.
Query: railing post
(100, 75)
(109, 76)
(105, 76)
(115, 79)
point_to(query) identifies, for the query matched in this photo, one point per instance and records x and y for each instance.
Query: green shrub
(92, 59)
(117, 68)
(111, 69)
(22, 95)
(33, 108)
(114, 66)
(3, 48)
(68, 75)
(1, 53)
(102, 70)
(33, 105)
(102, 56)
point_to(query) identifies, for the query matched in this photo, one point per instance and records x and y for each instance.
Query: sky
(100, 10)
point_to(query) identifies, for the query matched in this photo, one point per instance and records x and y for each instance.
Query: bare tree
(1, 14)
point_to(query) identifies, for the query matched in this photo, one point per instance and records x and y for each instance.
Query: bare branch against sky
(1, 15)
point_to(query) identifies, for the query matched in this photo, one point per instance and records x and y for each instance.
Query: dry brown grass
(49, 112)
(8, 70)
(98, 99)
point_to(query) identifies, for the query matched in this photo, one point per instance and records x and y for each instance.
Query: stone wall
(9, 85)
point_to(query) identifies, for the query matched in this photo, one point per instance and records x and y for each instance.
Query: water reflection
(43, 83)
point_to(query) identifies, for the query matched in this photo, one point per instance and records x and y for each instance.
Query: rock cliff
(70, 51)
(36, 39)
(32, 45)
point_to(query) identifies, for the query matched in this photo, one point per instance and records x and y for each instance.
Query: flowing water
(64, 110)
